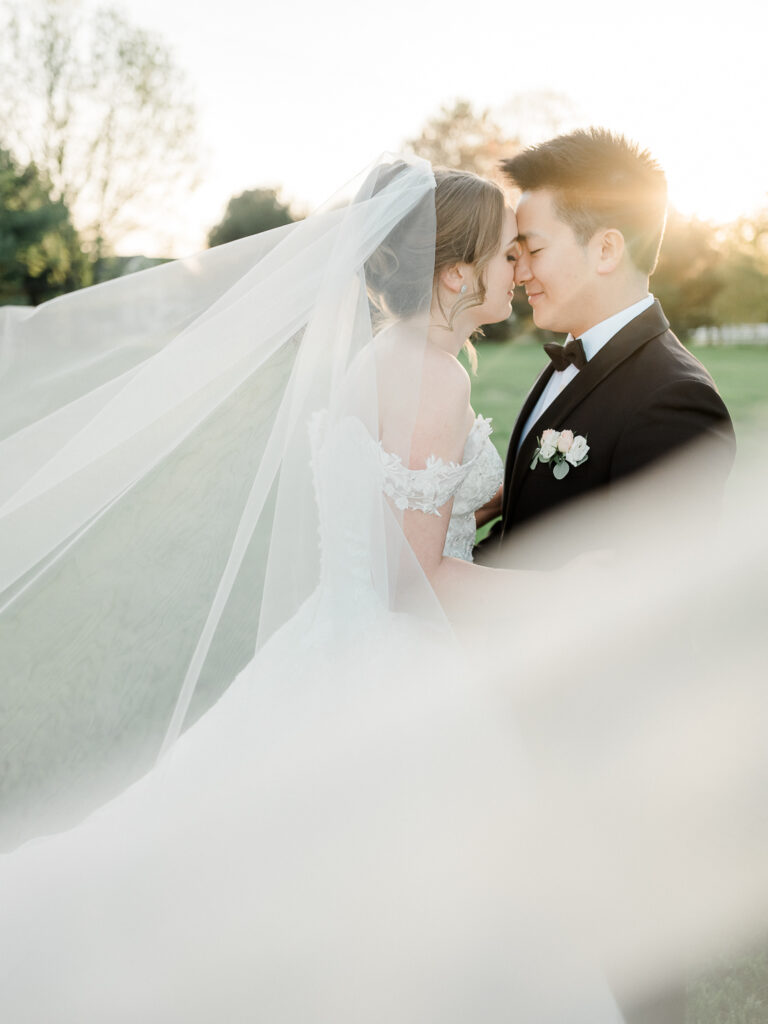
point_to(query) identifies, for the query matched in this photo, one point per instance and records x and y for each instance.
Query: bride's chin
(499, 318)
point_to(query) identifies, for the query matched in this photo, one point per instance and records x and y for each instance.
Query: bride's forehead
(510, 225)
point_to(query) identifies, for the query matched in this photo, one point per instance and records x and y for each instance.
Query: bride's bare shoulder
(424, 391)
(410, 362)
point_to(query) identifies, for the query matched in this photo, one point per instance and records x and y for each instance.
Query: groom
(590, 221)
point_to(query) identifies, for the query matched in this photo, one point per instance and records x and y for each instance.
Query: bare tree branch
(100, 107)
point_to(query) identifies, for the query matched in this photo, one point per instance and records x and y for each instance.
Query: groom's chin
(543, 322)
(541, 319)
(552, 324)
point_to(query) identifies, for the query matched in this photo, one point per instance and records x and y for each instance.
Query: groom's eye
(534, 251)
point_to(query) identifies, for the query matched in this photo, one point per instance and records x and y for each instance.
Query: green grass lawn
(508, 369)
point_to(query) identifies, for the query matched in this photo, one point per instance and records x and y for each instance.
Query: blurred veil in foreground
(420, 816)
(639, 684)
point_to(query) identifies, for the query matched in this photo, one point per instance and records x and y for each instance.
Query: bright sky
(304, 96)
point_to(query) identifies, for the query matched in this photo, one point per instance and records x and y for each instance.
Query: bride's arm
(470, 594)
(444, 419)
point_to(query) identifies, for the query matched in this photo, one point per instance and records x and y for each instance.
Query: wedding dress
(355, 816)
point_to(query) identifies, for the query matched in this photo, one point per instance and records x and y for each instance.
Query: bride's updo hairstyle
(469, 214)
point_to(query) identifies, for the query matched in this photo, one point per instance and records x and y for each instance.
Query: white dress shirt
(592, 340)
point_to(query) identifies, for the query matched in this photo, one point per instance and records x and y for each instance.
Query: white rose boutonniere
(561, 449)
(578, 451)
(548, 444)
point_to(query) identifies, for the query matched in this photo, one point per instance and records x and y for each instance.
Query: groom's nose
(522, 269)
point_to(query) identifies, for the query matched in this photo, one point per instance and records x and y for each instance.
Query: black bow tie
(562, 355)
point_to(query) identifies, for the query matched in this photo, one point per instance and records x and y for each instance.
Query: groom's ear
(609, 250)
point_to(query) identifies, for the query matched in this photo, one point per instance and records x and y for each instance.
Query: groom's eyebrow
(524, 238)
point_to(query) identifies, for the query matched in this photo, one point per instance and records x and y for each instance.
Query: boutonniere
(562, 450)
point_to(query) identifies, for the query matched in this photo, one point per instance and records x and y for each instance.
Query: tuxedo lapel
(649, 324)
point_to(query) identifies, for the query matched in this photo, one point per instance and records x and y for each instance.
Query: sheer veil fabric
(158, 517)
(356, 815)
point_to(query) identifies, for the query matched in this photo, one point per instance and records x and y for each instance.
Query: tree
(256, 210)
(40, 252)
(688, 275)
(100, 108)
(459, 137)
(743, 296)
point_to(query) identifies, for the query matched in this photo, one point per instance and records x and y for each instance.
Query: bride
(238, 508)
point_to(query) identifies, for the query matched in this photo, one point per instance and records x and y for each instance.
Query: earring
(463, 290)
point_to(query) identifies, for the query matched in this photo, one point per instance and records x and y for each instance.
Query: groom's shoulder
(668, 380)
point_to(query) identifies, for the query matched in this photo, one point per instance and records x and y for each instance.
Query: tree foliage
(708, 275)
(743, 294)
(688, 275)
(40, 252)
(100, 108)
(252, 211)
(458, 136)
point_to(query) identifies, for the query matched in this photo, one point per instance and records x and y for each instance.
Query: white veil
(158, 519)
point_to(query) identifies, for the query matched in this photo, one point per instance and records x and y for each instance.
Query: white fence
(731, 334)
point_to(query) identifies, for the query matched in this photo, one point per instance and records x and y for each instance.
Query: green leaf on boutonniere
(535, 459)
(560, 469)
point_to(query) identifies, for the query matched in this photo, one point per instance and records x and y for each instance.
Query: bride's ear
(455, 277)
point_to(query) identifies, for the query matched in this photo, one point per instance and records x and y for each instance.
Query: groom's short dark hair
(599, 180)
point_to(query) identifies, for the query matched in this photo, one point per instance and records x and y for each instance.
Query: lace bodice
(470, 483)
(351, 471)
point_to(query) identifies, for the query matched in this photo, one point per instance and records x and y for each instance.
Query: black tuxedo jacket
(641, 397)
